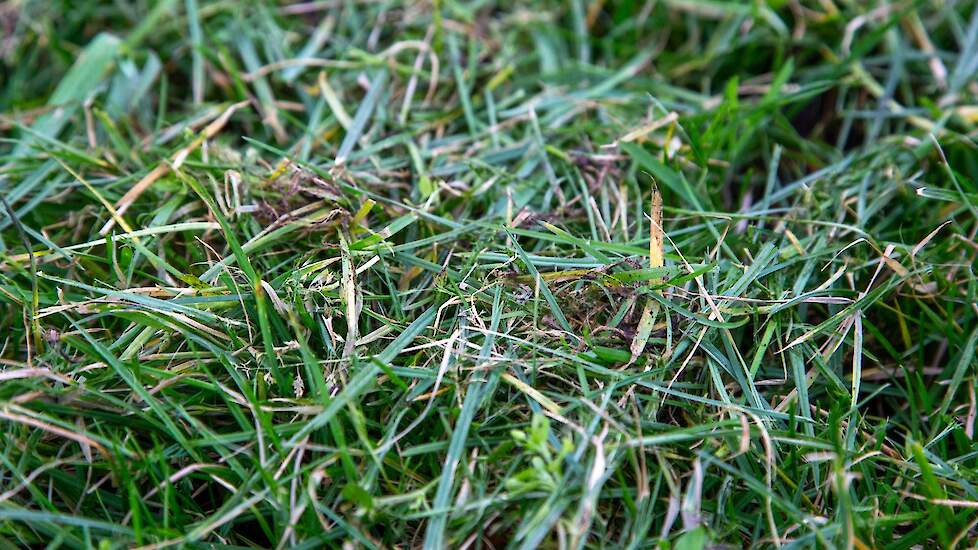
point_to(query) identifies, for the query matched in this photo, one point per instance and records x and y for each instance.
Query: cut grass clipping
(612, 274)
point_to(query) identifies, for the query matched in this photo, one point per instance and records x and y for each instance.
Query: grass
(675, 273)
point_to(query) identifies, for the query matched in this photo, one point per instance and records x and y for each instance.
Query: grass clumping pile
(616, 274)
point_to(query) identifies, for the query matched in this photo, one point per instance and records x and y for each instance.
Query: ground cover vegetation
(625, 274)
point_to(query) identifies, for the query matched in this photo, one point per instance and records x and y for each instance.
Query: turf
(615, 274)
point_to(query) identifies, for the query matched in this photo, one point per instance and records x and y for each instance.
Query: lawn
(440, 274)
